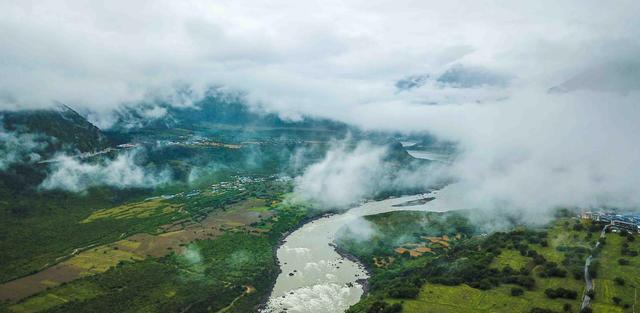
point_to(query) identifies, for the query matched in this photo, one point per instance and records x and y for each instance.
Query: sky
(521, 145)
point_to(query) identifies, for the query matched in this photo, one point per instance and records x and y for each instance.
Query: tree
(560, 293)
(619, 281)
(515, 291)
(616, 300)
(623, 261)
(566, 307)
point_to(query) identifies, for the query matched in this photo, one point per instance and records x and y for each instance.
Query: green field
(609, 269)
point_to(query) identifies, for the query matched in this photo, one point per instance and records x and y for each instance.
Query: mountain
(215, 109)
(60, 128)
(462, 76)
(411, 82)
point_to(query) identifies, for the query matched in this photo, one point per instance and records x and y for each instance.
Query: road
(586, 300)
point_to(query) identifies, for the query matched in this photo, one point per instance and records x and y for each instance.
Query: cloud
(293, 61)
(71, 174)
(353, 171)
(19, 147)
(520, 147)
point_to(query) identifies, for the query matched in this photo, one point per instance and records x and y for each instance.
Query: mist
(18, 147)
(124, 171)
(352, 171)
(541, 98)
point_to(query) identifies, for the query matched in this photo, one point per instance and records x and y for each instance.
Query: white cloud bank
(521, 147)
(351, 172)
(19, 147)
(72, 174)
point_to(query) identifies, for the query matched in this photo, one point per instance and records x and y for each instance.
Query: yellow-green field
(78, 291)
(100, 259)
(511, 258)
(605, 286)
(464, 299)
(143, 209)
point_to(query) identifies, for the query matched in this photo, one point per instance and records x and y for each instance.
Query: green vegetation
(523, 270)
(616, 282)
(234, 272)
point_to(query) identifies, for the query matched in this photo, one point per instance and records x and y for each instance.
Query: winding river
(314, 277)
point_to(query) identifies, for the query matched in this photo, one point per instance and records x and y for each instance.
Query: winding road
(586, 300)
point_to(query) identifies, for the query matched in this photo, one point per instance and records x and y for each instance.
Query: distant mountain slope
(61, 127)
(214, 108)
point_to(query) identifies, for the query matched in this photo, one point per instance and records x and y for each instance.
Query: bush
(515, 292)
(566, 307)
(616, 300)
(520, 280)
(383, 307)
(404, 292)
(623, 261)
(586, 310)
(560, 293)
(619, 281)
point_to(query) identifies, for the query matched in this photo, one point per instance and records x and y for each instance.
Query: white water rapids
(315, 278)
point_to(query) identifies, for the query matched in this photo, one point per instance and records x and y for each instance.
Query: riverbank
(364, 281)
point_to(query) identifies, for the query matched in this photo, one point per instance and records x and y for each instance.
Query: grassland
(609, 269)
(464, 299)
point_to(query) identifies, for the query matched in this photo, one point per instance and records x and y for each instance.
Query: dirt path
(247, 290)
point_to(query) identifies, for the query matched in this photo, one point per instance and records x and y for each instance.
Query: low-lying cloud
(521, 148)
(353, 171)
(19, 147)
(124, 171)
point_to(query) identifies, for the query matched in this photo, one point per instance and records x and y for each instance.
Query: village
(238, 183)
(629, 222)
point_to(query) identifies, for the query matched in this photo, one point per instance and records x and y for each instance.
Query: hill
(60, 127)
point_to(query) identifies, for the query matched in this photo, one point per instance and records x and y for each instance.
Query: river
(314, 277)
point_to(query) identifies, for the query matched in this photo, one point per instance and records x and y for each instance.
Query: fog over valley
(319, 156)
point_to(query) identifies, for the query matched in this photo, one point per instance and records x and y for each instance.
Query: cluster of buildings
(238, 183)
(629, 221)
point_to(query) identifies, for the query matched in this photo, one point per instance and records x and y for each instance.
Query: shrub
(616, 300)
(560, 293)
(404, 292)
(383, 307)
(619, 281)
(516, 291)
(566, 307)
(623, 261)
